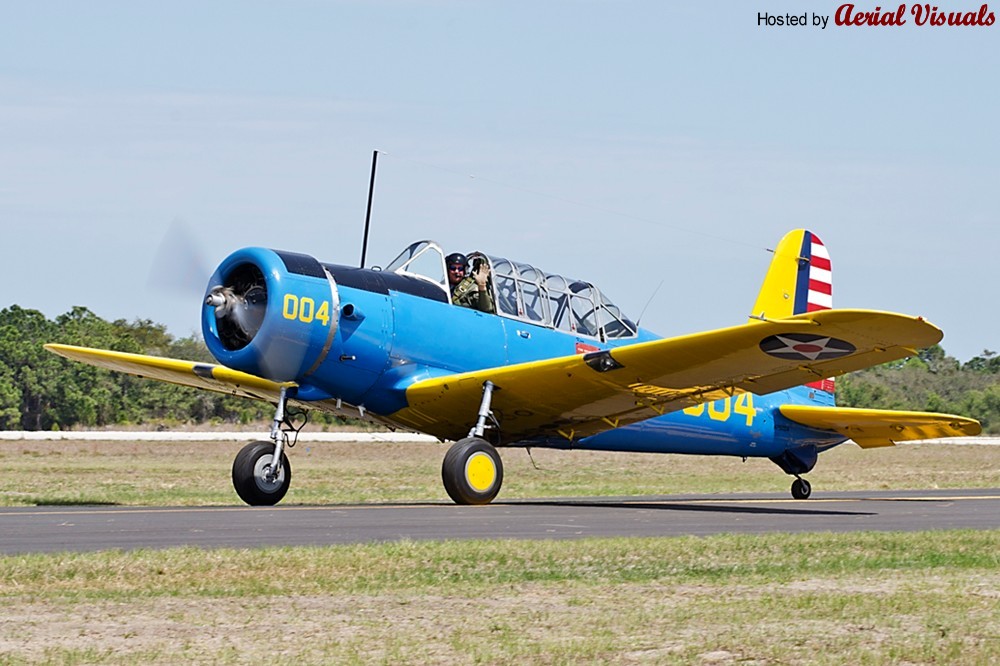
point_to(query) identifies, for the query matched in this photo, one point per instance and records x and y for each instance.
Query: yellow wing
(871, 428)
(576, 396)
(207, 376)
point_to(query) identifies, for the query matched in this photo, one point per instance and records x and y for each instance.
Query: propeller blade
(178, 265)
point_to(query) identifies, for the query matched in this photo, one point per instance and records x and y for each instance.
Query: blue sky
(627, 143)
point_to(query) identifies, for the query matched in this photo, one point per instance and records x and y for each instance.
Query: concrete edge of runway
(206, 436)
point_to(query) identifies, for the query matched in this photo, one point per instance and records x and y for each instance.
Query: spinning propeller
(180, 268)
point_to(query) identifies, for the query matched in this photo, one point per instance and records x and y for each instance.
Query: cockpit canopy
(524, 292)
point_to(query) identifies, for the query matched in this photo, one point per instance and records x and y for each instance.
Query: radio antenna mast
(651, 297)
(368, 215)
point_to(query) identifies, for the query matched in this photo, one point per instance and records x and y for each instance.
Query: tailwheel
(257, 481)
(472, 471)
(801, 489)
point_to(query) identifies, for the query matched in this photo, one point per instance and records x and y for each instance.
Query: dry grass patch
(774, 599)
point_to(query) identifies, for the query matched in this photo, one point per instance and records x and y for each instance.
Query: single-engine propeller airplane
(557, 365)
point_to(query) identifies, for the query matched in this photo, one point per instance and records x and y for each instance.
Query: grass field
(185, 473)
(915, 598)
(775, 599)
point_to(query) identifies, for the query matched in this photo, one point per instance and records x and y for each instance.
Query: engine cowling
(271, 313)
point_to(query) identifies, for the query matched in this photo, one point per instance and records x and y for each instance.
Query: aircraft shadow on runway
(681, 506)
(693, 505)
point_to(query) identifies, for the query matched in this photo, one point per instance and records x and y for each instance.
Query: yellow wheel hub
(480, 472)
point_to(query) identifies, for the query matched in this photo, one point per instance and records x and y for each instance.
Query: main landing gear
(472, 471)
(260, 480)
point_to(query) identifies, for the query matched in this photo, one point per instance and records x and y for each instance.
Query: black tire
(248, 475)
(472, 471)
(801, 489)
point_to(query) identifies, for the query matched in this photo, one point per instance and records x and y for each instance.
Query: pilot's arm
(484, 302)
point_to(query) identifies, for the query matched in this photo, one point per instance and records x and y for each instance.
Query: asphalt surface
(89, 528)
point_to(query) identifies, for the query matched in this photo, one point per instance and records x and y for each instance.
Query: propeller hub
(240, 306)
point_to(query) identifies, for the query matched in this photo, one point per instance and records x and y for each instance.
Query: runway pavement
(90, 528)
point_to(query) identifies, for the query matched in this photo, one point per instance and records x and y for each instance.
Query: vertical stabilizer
(799, 280)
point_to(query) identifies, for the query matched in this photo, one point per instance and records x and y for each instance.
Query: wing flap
(870, 428)
(577, 396)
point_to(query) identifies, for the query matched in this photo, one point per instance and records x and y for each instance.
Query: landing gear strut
(472, 471)
(258, 479)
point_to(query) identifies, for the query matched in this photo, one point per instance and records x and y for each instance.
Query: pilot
(469, 291)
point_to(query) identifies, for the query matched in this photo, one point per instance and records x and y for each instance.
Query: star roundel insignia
(805, 346)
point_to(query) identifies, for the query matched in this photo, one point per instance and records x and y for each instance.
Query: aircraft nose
(270, 313)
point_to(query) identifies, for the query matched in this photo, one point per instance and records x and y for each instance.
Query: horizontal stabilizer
(871, 428)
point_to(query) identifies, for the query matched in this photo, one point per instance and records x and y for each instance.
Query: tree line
(41, 391)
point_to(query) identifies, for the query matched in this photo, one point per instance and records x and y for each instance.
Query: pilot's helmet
(456, 259)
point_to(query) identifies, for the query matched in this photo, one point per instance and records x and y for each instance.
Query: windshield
(424, 260)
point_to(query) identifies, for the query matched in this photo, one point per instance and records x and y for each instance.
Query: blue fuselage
(379, 333)
(438, 338)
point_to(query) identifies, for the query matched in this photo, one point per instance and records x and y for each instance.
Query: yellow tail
(799, 279)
